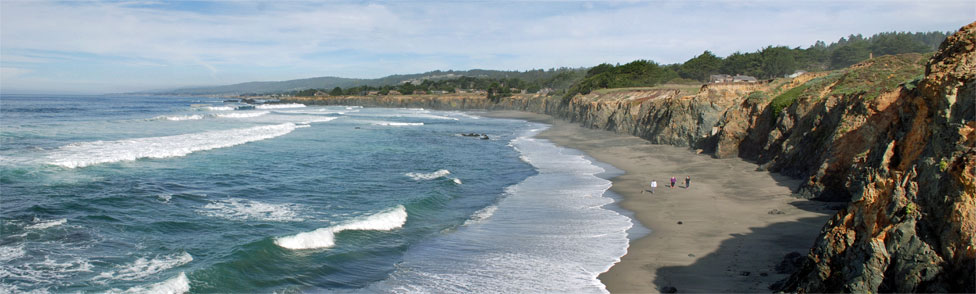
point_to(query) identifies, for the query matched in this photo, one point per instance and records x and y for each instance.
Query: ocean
(131, 194)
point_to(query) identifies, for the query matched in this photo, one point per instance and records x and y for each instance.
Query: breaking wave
(428, 176)
(178, 284)
(217, 108)
(91, 153)
(241, 114)
(279, 106)
(144, 267)
(396, 124)
(481, 214)
(325, 237)
(179, 117)
(47, 224)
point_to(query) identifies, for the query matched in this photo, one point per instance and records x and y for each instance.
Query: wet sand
(724, 233)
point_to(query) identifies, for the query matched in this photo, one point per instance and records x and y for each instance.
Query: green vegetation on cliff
(880, 75)
(866, 80)
(770, 62)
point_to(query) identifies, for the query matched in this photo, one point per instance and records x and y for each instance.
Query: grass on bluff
(683, 89)
(866, 80)
(871, 78)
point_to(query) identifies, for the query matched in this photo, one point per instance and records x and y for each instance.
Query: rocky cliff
(911, 223)
(895, 136)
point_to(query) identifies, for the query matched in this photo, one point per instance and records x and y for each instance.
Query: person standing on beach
(687, 182)
(673, 180)
(653, 185)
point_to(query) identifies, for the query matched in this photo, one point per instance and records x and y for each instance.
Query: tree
(777, 61)
(847, 55)
(407, 88)
(493, 95)
(603, 67)
(700, 67)
(336, 91)
(742, 63)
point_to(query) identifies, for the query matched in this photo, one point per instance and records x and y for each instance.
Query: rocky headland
(894, 137)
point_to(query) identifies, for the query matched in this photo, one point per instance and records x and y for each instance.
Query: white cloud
(249, 40)
(12, 72)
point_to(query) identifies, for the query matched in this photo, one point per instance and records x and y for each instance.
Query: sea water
(186, 194)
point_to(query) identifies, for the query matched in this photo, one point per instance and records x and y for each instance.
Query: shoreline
(736, 223)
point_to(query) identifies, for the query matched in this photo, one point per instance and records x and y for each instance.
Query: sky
(89, 47)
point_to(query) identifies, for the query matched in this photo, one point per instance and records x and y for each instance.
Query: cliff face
(911, 224)
(900, 146)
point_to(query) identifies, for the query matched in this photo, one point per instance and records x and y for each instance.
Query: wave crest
(396, 124)
(179, 117)
(325, 237)
(91, 153)
(279, 106)
(178, 284)
(241, 114)
(47, 224)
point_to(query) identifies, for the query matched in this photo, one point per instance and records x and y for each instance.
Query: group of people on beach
(673, 181)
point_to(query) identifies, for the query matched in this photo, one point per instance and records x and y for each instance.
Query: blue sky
(118, 46)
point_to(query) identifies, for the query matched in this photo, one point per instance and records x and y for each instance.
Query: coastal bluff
(894, 137)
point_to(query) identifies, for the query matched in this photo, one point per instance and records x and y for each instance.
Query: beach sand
(724, 233)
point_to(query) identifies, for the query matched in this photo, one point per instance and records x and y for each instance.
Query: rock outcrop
(911, 224)
(895, 136)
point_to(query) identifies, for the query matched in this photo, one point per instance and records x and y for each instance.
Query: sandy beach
(724, 233)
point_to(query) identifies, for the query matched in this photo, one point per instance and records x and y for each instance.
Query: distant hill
(273, 87)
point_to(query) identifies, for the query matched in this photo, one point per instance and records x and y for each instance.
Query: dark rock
(691, 255)
(679, 222)
(791, 262)
(776, 211)
(837, 206)
(669, 289)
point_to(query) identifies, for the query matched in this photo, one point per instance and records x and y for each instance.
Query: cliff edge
(911, 223)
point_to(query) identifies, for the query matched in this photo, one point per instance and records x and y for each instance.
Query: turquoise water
(152, 194)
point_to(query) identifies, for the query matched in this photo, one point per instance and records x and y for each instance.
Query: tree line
(766, 63)
(530, 81)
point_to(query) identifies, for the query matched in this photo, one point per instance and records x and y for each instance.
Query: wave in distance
(91, 153)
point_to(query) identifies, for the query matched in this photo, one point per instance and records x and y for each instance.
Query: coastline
(736, 225)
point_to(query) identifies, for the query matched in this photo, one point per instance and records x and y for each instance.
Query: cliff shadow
(743, 263)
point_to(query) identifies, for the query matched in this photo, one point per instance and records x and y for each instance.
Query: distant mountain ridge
(271, 87)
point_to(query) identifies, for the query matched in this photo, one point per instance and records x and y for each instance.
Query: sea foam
(143, 267)
(91, 153)
(241, 114)
(237, 209)
(558, 235)
(8, 253)
(429, 176)
(396, 124)
(217, 108)
(325, 237)
(179, 117)
(279, 106)
(178, 284)
(47, 224)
